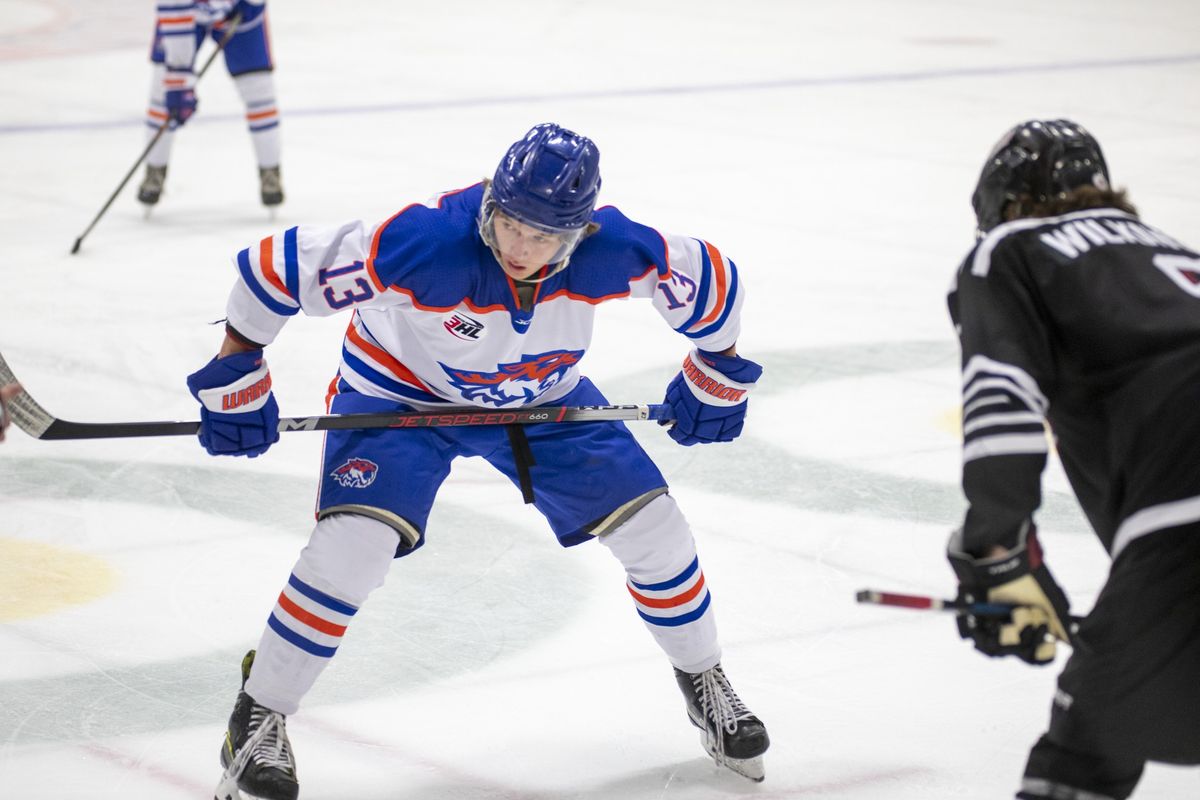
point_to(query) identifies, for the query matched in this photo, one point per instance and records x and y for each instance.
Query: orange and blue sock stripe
(310, 619)
(676, 601)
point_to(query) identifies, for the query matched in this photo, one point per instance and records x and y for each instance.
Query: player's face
(523, 249)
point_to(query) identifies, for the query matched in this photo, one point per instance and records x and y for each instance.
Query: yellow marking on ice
(38, 579)
(950, 421)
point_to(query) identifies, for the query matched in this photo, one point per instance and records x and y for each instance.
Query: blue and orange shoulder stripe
(271, 270)
(716, 296)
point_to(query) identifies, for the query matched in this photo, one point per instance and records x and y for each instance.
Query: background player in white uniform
(1073, 310)
(180, 29)
(485, 297)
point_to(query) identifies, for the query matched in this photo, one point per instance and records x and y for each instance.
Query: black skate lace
(267, 746)
(719, 703)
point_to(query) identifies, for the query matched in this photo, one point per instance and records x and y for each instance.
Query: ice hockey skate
(256, 755)
(152, 186)
(270, 186)
(734, 737)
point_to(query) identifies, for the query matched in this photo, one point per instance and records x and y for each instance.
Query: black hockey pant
(1130, 693)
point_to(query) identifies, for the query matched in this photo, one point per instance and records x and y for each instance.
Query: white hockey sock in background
(262, 118)
(156, 115)
(346, 558)
(664, 577)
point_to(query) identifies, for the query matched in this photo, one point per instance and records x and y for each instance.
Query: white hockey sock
(664, 577)
(156, 115)
(347, 557)
(258, 93)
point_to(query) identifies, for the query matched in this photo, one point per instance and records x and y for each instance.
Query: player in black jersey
(1072, 311)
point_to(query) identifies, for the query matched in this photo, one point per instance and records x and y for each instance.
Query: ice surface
(830, 149)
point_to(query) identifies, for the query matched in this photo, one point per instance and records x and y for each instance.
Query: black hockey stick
(30, 417)
(234, 21)
(924, 603)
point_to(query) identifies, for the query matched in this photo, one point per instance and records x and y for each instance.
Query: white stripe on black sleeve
(1003, 410)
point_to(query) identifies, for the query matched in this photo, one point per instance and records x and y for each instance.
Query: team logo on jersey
(356, 473)
(463, 327)
(519, 382)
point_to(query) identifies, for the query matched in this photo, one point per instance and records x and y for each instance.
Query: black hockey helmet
(1039, 158)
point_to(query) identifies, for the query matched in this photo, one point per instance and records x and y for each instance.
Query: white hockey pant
(664, 577)
(346, 558)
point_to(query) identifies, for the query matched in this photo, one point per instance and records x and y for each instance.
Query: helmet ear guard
(1038, 159)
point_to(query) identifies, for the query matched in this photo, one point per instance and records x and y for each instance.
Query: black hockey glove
(1020, 578)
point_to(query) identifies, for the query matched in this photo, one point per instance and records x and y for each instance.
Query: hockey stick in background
(923, 603)
(30, 417)
(234, 22)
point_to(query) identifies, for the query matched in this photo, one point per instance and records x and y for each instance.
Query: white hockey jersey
(436, 321)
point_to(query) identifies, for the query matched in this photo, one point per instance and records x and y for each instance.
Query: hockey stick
(923, 603)
(234, 21)
(30, 417)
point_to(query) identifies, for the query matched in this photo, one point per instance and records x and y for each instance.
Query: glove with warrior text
(1019, 578)
(708, 397)
(238, 413)
(181, 94)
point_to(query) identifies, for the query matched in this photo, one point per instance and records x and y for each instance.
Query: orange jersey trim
(385, 358)
(714, 255)
(266, 260)
(331, 392)
(379, 287)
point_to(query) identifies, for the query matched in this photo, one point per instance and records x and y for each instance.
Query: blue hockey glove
(1020, 578)
(181, 94)
(708, 397)
(238, 413)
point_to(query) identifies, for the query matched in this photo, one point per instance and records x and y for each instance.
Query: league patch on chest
(515, 382)
(463, 327)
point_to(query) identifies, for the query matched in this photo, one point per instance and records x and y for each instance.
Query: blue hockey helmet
(1039, 158)
(548, 180)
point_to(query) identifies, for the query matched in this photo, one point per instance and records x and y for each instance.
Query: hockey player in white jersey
(484, 297)
(180, 29)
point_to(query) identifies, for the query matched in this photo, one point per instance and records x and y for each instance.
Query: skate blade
(751, 768)
(227, 789)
